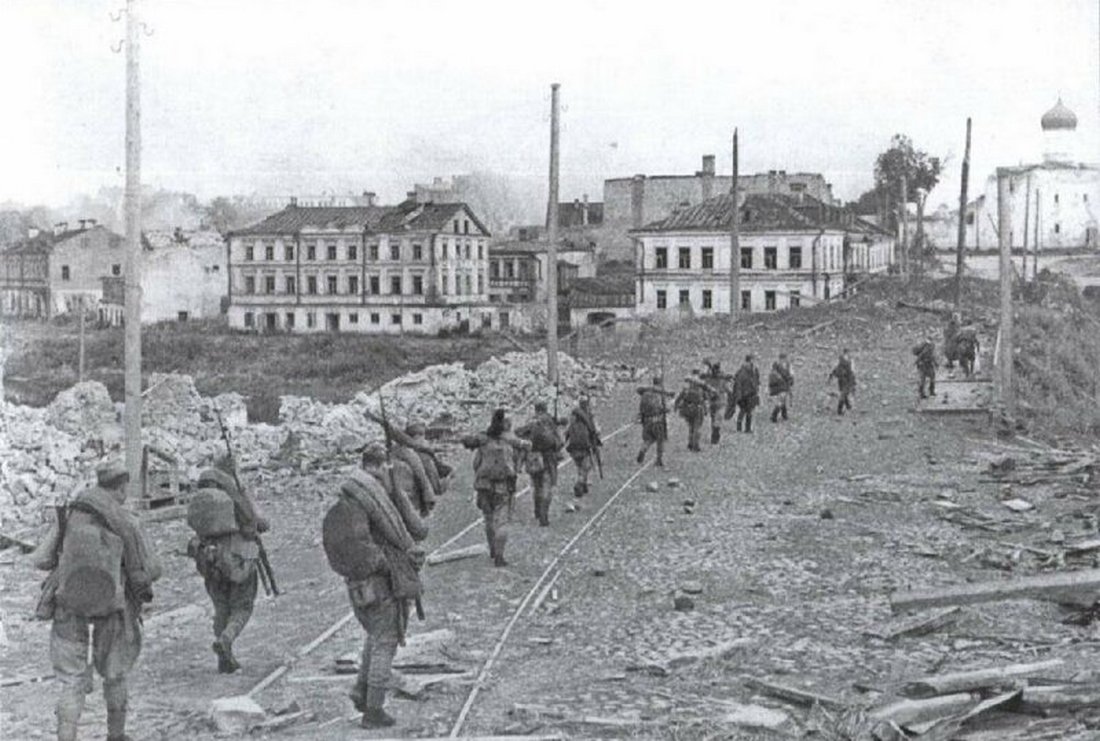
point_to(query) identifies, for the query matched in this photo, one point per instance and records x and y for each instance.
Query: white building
(794, 250)
(415, 267)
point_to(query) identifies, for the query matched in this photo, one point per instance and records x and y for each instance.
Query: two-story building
(794, 249)
(416, 267)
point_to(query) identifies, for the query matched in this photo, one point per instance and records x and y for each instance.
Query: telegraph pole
(1006, 355)
(962, 221)
(552, 246)
(132, 271)
(80, 361)
(903, 216)
(735, 241)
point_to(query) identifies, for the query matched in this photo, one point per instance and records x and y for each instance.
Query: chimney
(33, 232)
(83, 224)
(61, 226)
(637, 201)
(708, 164)
(294, 201)
(91, 223)
(584, 210)
(369, 197)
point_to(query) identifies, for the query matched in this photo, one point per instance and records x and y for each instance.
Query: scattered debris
(459, 554)
(977, 679)
(1075, 587)
(236, 714)
(919, 624)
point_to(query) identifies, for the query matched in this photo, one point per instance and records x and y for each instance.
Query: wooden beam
(792, 694)
(946, 684)
(920, 624)
(1053, 587)
(906, 712)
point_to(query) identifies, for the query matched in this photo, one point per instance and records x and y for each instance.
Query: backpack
(651, 404)
(496, 461)
(90, 582)
(211, 513)
(544, 438)
(346, 538)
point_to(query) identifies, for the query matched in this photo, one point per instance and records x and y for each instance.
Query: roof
(572, 214)
(604, 285)
(407, 216)
(1058, 117)
(45, 241)
(759, 212)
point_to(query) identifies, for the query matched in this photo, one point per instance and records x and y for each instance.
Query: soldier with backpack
(653, 414)
(370, 538)
(495, 456)
(845, 376)
(719, 386)
(691, 403)
(926, 367)
(102, 571)
(226, 551)
(966, 350)
(746, 393)
(542, 462)
(780, 383)
(582, 442)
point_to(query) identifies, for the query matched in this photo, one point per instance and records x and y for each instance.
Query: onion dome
(1059, 117)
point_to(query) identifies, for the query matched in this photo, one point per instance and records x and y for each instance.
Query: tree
(903, 160)
(222, 214)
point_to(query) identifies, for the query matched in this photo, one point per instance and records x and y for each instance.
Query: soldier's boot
(498, 559)
(931, 386)
(739, 422)
(114, 696)
(783, 410)
(224, 649)
(748, 423)
(491, 537)
(375, 716)
(358, 697)
(715, 435)
(660, 455)
(580, 489)
(641, 456)
(69, 707)
(775, 415)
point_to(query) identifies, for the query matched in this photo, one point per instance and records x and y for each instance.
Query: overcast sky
(275, 97)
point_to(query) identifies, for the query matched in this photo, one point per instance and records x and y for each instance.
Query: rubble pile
(84, 409)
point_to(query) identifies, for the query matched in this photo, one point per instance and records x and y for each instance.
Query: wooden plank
(793, 695)
(1054, 587)
(1061, 697)
(920, 624)
(907, 712)
(481, 549)
(946, 684)
(7, 541)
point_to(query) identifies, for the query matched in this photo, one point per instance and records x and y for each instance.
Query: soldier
(746, 393)
(719, 386)
(780, 383)
(691, 403)
(542, 462)
(102, 571)
(653, 414)
(582, 442)
(926, 366)
(966, 349)
(228, 565)
(369, 539)
(416, 463)
(845, 375)
(495, 479)
(950, 337)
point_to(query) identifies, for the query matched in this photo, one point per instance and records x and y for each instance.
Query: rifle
(267, 575)
(389, 475)
(596, 444)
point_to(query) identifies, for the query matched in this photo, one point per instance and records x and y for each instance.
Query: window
(395, 284)
(466, 250)
(331, 252)
(181, 316)
(771, 260)
(269, 254)
(444, 281)
(288, 252)
(373, 255)
(418, 252)
(970, 219)
(707, 257)
(249, 319)
(505, 320)
(330, 284)
(311, 319)
(395, 318)
(466, 224)
(796, 298)
(443, 245)
(374, 285)
(1055, 197)
(418, 285)
(456, 226)
(395, 251)
(481, 251)
(795, 258)
(486, 321)
(480, 282)
(249, 253)
(661, 258)
(746, 258)
(469, 285)
(353, 252)
(116, 269)
(311, 284)
(353, 317)
(64, 272)
(769, 300)
(311, 252)
(708, 300)
(662, 300)
(375, 318)
(746, 300)
(684, 262)
(685, 296)
(269, 284)
(271, 321)
(1085, 197)
(418, 318)
(291, 285)
(1057, 228)
(353, 284)
(249, 284)
(494, 269)
(289, 320)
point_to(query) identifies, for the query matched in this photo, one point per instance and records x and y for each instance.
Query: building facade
(52, 272)
(415, 267)
(793, 251)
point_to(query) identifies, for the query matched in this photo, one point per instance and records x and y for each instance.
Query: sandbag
(211, 513)
(90, 582)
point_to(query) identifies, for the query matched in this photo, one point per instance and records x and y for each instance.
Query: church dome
(1059, 117)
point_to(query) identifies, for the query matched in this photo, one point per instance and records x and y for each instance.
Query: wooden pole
(552, 246)
(80, 360)
(903, 217)
(1005, 358)
(735, 240)
(919, 239)
(1027, 225)
(961, 241)
(132, 271)
(1035, 241)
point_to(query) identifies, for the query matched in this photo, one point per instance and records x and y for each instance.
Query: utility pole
(919, 239)
(1027, 224)
(961, 242)
(1005, 369)
(735, 241)
(552, 246)
(132, 270)
(80, 361)
(1036, 240)
(903, 217)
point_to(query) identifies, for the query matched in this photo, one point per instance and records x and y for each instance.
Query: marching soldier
(926, 367)
(950, 337)
(542, 462)
(582, 442)
(719, 386)
(746, 393)
(691, 403)
(653, 414)
(101, 572)
(845, 376)
(780, 384)
(495, 479)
